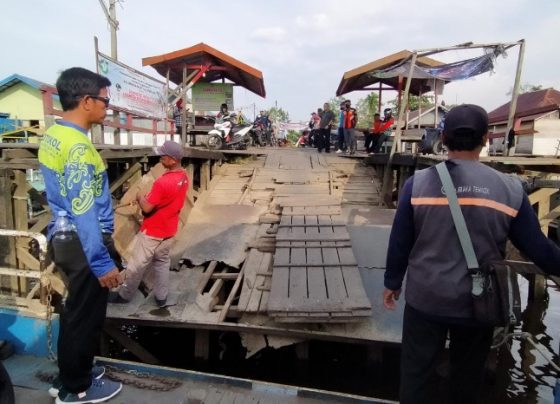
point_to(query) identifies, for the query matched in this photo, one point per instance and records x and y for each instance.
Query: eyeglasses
(104, 100)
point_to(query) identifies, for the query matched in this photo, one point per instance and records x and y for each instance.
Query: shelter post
(184, 111)
(515, 94)
(387, 187)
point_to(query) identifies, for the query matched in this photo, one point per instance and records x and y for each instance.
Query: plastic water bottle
(63, 228)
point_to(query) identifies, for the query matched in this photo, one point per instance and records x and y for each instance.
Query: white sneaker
(339, 151)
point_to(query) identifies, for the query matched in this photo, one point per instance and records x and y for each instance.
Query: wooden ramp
(315, 277)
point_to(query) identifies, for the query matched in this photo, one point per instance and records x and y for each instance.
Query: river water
(522, 375)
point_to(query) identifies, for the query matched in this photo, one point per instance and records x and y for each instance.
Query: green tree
(415, 102)
(278, 114)
(367, 107)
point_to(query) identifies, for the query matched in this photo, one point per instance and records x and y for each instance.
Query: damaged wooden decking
(281, 245)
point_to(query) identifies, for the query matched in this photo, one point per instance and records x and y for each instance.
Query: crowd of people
(322, 121)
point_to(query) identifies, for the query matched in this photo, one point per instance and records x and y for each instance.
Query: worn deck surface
(288, 243)
(191, 387)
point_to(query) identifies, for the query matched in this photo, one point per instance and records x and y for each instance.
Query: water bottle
(63, 228)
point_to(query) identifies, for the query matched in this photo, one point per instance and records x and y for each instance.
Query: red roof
(202, 54)
(536, 102)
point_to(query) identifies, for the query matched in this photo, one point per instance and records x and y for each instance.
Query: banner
(132, 90)
(209, 96)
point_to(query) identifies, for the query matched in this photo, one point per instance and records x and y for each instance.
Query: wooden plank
(280, 283)
(334, 279)
(206, 276)
(135, 348)
(230, 297)
(315, 270)
(261, 285)
(313, 237)
(353, 281)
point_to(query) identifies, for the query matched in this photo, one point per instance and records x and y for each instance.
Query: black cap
(466, 119)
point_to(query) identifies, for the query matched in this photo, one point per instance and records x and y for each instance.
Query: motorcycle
(259, 133)
(227, 135)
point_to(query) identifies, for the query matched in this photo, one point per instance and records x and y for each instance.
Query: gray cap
(171, 149)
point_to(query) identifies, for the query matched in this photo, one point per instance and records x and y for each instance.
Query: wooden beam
(205, 175)
(230, 297)
(134, 347)
(7, 244)
(125, 177)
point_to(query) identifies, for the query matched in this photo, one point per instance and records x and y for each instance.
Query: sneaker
(161, 303)
(114, 297)
(99, 391)
(339, 151)
(97, 372)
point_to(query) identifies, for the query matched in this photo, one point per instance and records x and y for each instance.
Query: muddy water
(522, 376)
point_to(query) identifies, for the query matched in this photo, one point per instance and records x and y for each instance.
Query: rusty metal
(142, 380)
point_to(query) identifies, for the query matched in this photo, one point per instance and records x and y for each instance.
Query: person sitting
(384, 130)
(223, 114)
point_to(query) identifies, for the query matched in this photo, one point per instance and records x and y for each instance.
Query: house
(536, 124)
(21, 103)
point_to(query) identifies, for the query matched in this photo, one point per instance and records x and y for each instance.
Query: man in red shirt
(161, 208)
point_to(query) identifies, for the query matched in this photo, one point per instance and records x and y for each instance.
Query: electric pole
(111, 15)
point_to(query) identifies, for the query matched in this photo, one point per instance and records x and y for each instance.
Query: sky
(302, 47)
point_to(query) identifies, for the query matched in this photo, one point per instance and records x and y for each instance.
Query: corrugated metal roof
(18, 78)
(202, 54)
(533, 103)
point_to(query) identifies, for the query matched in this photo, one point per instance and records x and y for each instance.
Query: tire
(215, 142)
(438, 147)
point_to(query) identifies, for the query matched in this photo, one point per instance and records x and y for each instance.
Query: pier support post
(7, 245)
(202, 344)
(205, 175)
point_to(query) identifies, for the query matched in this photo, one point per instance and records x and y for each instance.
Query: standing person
(350, 121)
(341, 146)
(76, 182)
(178, 117)
(161, 207)
(425, 245)
(325, 129)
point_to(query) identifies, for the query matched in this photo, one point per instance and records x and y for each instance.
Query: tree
(278, 114)
(526, 88)
(414, 102)
(334, 103)
(367, 107)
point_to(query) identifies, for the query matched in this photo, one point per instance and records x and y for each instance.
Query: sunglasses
(104, 100)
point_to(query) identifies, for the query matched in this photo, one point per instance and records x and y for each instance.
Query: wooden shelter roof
(222, 66)
(358, 78)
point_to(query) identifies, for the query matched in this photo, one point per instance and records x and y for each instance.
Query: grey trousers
(150, 253)
(350, 140)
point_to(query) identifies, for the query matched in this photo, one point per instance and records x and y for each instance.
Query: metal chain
(141, 380)
(51, 354)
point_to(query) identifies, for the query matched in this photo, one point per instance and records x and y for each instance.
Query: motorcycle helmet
(387, 111)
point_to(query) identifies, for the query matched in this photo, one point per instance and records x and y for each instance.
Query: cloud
(272, 34)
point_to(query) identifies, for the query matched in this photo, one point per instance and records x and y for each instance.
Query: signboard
(209, 96)
(132, 90)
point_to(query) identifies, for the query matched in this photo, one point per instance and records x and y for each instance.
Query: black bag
(495, 293)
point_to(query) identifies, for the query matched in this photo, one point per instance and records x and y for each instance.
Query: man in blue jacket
(77, 183)
(424, 245)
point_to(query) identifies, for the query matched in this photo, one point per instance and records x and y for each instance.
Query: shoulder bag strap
(458, 218)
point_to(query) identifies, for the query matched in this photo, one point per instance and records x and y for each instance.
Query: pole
(114, 25)
(387, 187)
(513, 104)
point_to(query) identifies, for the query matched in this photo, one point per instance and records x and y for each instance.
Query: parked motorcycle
(228, 135)
(260, 136)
